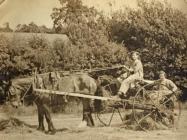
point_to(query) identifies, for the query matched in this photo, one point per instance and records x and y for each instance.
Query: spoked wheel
(169, 110)
(151, 106)
(109, 108)
(106, 117)
(109, 111)
(143, 108)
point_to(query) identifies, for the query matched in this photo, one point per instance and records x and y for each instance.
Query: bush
(19, 57)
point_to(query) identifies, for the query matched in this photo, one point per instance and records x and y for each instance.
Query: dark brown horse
(79, 83)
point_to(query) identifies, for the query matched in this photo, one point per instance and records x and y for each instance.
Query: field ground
(67, 129)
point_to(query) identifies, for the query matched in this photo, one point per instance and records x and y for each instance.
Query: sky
(25, 11)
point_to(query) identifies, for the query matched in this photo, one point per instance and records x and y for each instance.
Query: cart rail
(75, 94)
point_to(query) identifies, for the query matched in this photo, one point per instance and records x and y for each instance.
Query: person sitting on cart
(137, 69)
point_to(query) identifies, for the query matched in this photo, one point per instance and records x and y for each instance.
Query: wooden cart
(145, 103)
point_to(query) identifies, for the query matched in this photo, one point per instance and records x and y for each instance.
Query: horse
(77, 83)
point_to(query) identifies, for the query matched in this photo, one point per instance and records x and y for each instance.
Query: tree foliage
(156, 30)
(20, 57)
(87, 31)
(5, 54)
(6, 28)
(33, 28)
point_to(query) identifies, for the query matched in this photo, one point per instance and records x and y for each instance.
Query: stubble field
(67, 129)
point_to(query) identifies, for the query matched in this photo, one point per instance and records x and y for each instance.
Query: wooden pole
(74, 94)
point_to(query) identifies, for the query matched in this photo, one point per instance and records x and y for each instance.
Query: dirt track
(67, 129)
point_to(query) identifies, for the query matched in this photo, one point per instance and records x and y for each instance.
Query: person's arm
(172, 86)
(149, 81)
(129, 69)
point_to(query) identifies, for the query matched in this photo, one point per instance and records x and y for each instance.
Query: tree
(156, 30)
(39, 49)
(6, 28)
(33, 28)
(22, 28)
(87, 31)
(19, 57)
(5, 62)
(44, 29)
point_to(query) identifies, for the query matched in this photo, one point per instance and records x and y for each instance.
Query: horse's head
(17, 94)
(13, 95)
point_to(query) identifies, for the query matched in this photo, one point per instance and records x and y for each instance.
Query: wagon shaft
(75, 94)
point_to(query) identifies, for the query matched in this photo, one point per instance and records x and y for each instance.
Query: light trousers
(125, 85)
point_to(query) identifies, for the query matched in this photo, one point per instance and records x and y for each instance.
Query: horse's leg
(87, 112)
(51, 128)
(40, 117)
(91, 119)
(39, 104)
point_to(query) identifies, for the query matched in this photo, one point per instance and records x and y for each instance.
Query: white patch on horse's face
(12, 90)
(15, 95)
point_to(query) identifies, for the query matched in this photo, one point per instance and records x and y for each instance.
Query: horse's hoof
(40, 129)
(50, 132)
(83, 124)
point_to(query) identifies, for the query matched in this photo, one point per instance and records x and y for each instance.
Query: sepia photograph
(93, 69)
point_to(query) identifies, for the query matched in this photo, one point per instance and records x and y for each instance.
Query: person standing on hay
(137, 70)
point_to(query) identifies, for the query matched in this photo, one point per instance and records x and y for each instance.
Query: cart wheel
(169, 111)
(165, 110)
(103, 114)
(105, 117)
(142, 108)
(106, 114)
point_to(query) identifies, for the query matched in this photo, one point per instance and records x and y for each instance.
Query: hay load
(14, 125)
(148, 123)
